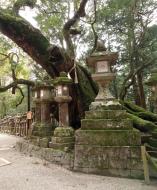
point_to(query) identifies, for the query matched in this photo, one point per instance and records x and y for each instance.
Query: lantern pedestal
(107, 144)
(63, 139)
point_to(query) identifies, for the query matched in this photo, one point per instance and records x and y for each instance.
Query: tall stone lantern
(64, 134)
(100, 63)
(152, 83)
(106, 142)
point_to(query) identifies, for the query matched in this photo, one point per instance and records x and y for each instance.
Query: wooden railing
(147, 159)
(17, 125)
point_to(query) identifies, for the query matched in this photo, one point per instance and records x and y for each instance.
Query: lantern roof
(101, 54)
(40, 86)
(62, 79)
(153, 79)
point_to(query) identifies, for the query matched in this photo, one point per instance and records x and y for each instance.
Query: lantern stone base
(107, 144)
(108, 104)
(41, 134)
(63, 139)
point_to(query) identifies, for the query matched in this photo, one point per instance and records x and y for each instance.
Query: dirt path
(28, 173)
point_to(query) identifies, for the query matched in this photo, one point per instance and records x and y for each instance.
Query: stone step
(97, 124)
(106, 114)
(108, 137)
(61, 146)
(62, 139)
(39, 141)
(42, 133)
(41, 129)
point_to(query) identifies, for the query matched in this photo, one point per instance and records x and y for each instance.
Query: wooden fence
(17, 125)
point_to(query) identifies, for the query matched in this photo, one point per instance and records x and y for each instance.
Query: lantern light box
(100, 63)
(62, 85)
(43, 91)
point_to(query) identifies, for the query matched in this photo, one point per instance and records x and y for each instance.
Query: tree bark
(141, 90)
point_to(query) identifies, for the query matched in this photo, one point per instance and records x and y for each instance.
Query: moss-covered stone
(63, 140)
(108, 137)
(106, 114)
(141, 124)
(64, 132)
(62, 146)
(106, 124)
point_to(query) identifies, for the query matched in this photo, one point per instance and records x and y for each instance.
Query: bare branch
(15, 83)
(22, 94)
(131, 77)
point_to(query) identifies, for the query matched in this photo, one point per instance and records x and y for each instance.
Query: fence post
(145, 165)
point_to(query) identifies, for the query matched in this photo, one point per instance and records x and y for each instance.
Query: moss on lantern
(62, 79)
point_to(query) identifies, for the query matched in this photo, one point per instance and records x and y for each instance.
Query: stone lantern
(37, 104)
(64, 134)
(63, 98)
(43, 97)
(106, 135)
(100, 63)
(152, 83)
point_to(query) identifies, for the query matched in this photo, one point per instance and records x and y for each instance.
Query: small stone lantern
(100, 63)
(152, 83)
(63, 98)
(42, 96)
(42, 127)
(37, 103)
(63, 138)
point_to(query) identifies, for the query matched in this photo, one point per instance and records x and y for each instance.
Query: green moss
(17, 27)
(141, 124)
(86, 91)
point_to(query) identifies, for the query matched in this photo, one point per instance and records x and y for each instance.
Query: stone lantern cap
(101, 54)
(153, 79)
(62, 79)
(42, 87)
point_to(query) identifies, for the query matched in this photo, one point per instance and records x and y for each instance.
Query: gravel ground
(28, 173)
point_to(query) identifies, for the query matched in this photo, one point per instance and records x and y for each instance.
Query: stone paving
(29, 173)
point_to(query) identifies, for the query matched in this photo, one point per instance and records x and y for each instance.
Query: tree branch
(16, 83)
(32, 41)
(66, 29)
(22, 3)
(22, 94)
(131, 76)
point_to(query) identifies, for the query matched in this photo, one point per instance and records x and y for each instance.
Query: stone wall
(58, 157)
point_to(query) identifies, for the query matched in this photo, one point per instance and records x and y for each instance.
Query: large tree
(52, 58)
(123, 23)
